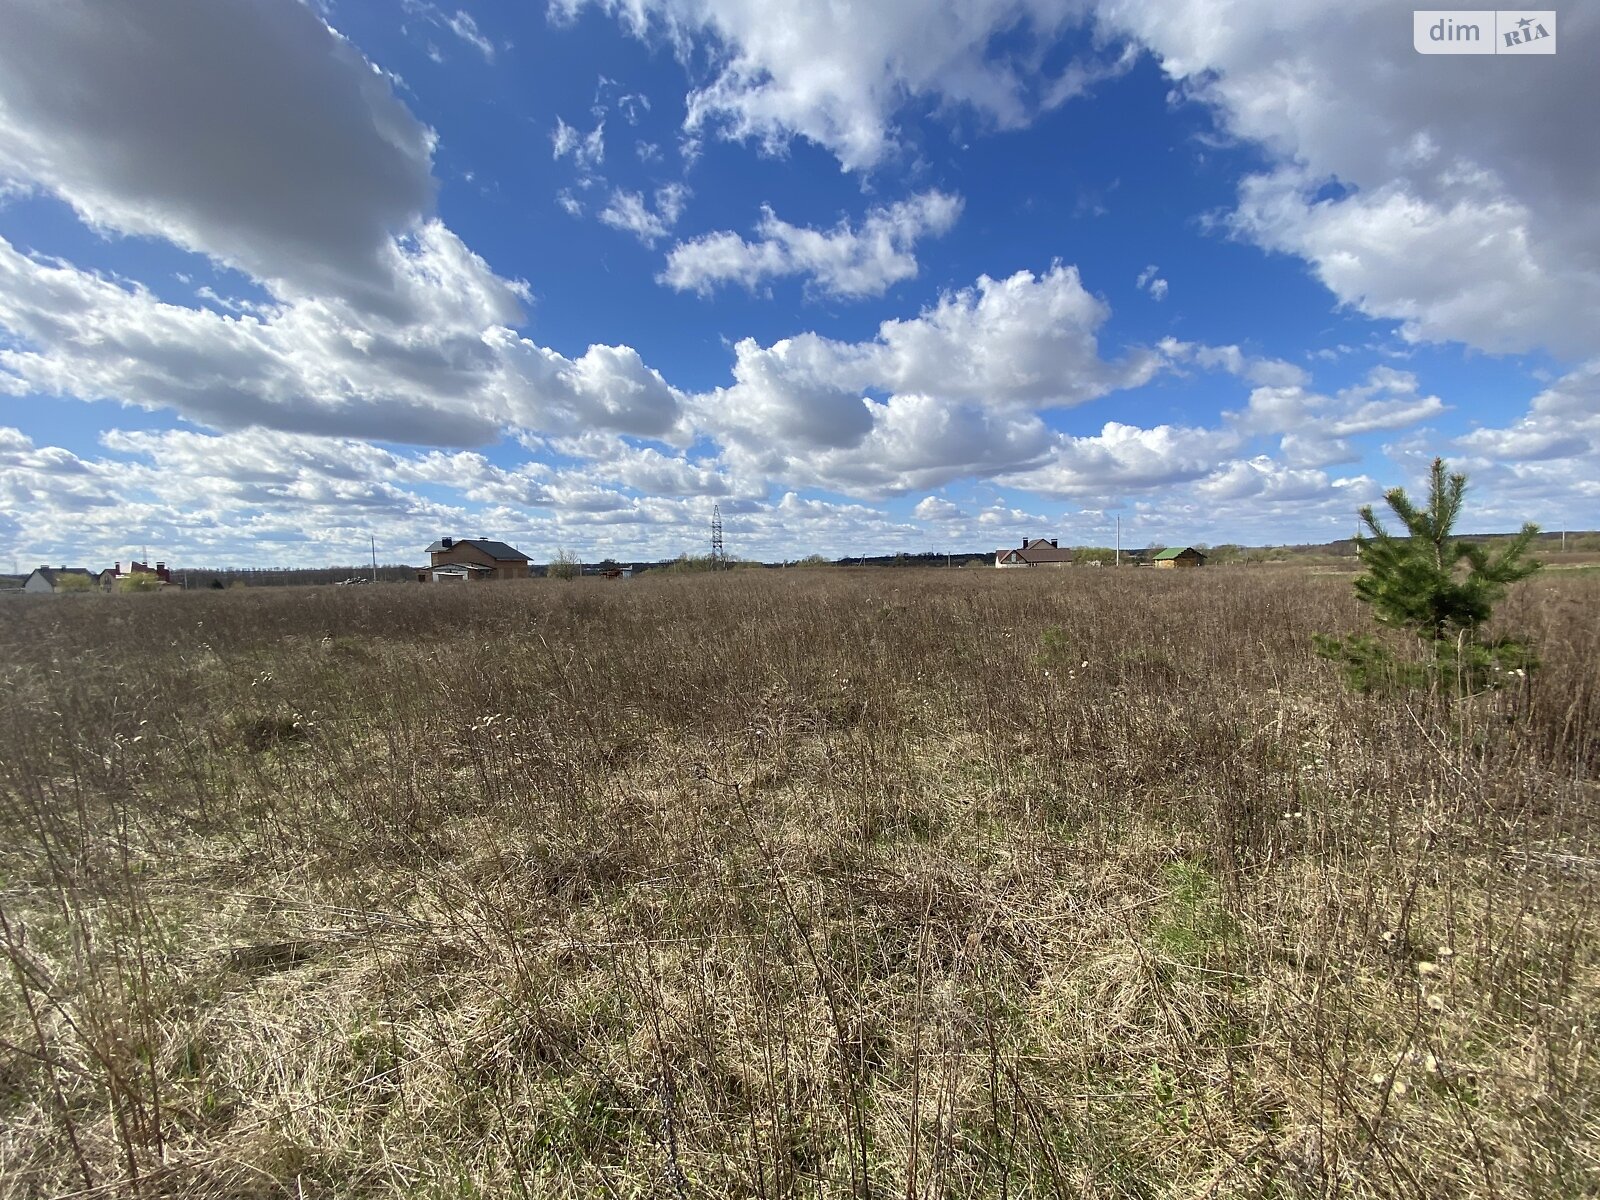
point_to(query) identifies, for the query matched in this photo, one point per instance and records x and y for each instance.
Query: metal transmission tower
(719, 556)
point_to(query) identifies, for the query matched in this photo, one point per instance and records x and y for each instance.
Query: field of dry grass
(922, 884)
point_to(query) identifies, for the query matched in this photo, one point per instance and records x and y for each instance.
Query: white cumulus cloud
(1452, 194)
(465, 28)
(838, 74)
(1150, 281)
(587, 150)
(631, 213)
(843, 261)
(1315, 429)
(963, 382)
(1464, 203)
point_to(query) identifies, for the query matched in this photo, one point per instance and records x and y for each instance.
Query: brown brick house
(471, 560)
(110, 576)
(1039, 552)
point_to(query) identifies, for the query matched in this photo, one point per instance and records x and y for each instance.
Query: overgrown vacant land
(814, 884)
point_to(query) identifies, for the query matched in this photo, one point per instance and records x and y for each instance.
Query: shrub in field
(74, 584)
(139, 581)
(1441, 590)
(565, 565)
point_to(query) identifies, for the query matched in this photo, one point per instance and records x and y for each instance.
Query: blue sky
(278, 276)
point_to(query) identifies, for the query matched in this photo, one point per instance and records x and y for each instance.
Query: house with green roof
(1179, 556)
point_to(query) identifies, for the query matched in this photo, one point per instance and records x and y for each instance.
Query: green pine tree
(1441, 590)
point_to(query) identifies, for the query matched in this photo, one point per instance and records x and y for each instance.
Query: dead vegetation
(935, 884)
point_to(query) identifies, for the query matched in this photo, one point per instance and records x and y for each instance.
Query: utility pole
(1118, 562)
(374, 542)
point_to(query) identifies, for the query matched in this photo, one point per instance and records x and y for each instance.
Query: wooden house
(1179, 556)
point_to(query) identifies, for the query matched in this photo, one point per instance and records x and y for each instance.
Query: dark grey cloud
(246, 130)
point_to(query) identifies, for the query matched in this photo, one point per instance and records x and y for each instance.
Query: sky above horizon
(901, 275)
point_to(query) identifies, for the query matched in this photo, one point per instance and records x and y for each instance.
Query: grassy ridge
(814, 884)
